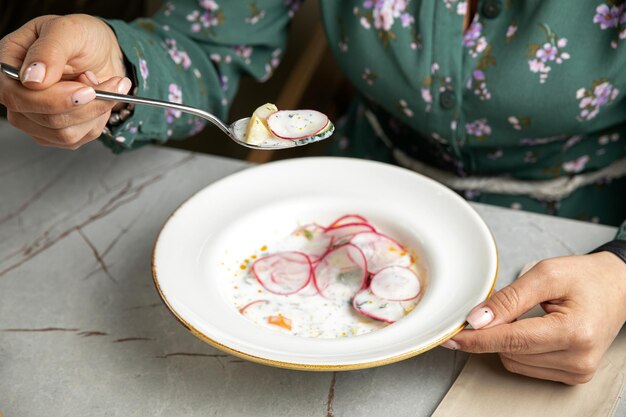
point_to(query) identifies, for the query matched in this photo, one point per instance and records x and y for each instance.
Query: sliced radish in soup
(367, 303)
(284, 272)
(395, 283)
(343, 265)
(345, 232)
(381, 251)
(348, 218)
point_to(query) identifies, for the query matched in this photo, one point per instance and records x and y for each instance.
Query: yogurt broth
(341, 280)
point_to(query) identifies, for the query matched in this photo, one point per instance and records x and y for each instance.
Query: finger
(58, 40)
(62, 97)
(84, 113)
(14, 46)
(563, 360)
(528, 336)
(545, 373)
(89, 78)
(506, 305)
(65, 137)
(89, 137)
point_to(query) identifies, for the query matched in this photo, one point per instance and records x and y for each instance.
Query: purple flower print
(479, 129)
(542, 56)
(511, 31)
(612, 16)
(477, 83)
(607, 17)
(210, 16)
(382, 14)
(473, 39)
(472, 34)
(547, 53)
(406, 20)
(244, 51)
(179, 57)
(143, 71)
(601, 94)
(175, 95)
(209, 5)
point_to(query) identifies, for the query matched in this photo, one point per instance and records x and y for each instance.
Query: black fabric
(617, 247)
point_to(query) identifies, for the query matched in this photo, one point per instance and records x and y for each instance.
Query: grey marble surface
(84, 333)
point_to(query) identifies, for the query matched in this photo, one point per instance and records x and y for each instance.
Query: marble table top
(83, 331)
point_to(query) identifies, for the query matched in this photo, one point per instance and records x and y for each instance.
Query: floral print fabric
(534, 91)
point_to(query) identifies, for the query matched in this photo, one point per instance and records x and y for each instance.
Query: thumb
(511, 302)
(52, 44)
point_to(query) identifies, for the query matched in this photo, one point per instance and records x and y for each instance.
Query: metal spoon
(236, 131)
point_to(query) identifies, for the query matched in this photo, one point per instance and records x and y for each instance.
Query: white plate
(216, 228)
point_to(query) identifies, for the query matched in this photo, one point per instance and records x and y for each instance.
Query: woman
(513, 103)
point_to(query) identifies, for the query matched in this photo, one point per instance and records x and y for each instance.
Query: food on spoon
(258, 130)
(343, 279)
(297, 124)
(269, 124)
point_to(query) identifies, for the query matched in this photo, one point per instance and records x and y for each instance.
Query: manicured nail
(35, 73)
(83, 96)
(480, 317)
(92, 77)
(124, 86)
(451, 344)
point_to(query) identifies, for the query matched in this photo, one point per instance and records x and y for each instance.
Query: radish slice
(367, 303)
(395, 283)
(283, 273)
(345, 232)
(250, 305)
(349, 218)
(381, 251)
(296, 124)
(312, 240)
(343, 264)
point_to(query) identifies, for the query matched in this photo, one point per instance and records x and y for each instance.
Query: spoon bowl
(236, 131)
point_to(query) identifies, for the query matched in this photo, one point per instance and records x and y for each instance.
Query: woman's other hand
(62, 59)
(584, 298)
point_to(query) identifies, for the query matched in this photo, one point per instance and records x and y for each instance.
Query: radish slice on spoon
(395, 283)
(284, 272)
(381, 251)
(297, 124)
(342, 265)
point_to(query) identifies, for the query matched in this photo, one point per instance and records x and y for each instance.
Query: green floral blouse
(533, 89)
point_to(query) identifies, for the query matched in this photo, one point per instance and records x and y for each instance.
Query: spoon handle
(14, 73)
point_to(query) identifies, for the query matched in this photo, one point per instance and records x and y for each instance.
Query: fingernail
(83, 96)
(480, 317)
(451, 344)
(35, 73)
(92, 77)
(124, 86)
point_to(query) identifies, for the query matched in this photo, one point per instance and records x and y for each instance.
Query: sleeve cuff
(616, 247)
(147, 124)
